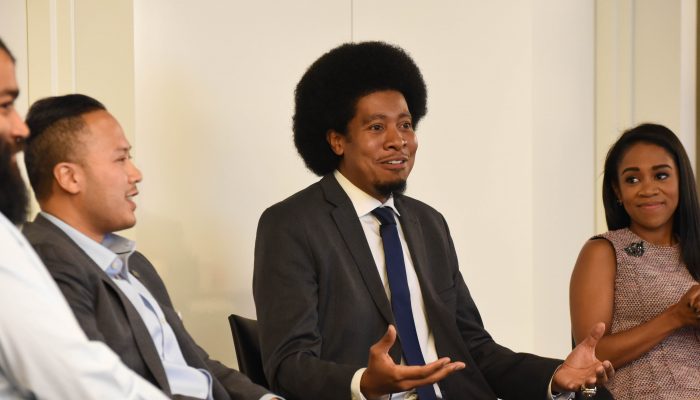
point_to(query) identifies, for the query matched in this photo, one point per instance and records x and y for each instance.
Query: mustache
(13, 146)
(16, 145)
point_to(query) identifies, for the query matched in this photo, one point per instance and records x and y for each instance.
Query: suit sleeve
(286, 290)
(236, 384)
(71, 282)
(511, 375)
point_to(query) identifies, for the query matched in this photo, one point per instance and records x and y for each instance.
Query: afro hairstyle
(326, 96)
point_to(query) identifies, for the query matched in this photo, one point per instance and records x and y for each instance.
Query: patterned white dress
(649, 279)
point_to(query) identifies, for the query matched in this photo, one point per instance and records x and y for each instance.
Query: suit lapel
(350, 229)
(143, 338)
(141, 335)
(440, 320)
(413, 233)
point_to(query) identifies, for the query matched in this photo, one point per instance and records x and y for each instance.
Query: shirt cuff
(210, 388)
(355, 391)
(558, 396)
(271, 396)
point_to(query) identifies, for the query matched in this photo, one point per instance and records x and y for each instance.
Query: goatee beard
(14, 199)
(389, 188)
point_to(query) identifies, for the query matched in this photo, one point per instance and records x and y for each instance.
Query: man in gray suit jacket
(43, 352)
(327, 299)
(78, 162)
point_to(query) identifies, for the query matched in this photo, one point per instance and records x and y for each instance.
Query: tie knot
(385, 215)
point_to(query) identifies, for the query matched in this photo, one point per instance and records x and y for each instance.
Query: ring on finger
(588, 392)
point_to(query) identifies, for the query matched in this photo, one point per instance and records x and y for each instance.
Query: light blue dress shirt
(43, 352)
(112, 255)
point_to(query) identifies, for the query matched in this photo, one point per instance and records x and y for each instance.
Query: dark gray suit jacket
(105, 314)
(321, 304)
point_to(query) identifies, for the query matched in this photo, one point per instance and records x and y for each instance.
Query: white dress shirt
(364, 204)
(44, 353)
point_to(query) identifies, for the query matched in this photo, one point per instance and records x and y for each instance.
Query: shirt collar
(361, 201)
(111, 255)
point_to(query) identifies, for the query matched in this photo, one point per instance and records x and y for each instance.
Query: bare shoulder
(595, 267)
(597, 254)
(592, 287)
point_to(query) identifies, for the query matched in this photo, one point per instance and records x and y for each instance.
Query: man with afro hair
(357, 286)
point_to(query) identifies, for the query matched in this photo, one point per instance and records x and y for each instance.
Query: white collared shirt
(364, 204)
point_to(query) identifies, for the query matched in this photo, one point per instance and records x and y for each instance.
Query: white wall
(645, 72)
(562, 154)
(13, 31)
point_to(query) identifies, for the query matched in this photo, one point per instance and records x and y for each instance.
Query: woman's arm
(592, 295)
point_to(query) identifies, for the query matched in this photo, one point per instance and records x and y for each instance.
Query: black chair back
(247, 344)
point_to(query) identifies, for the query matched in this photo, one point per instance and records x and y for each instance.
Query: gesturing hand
(687, 310)
(581, 367)
(383, 376)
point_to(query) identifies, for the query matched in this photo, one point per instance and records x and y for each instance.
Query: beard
(14, 199)
(389, 188)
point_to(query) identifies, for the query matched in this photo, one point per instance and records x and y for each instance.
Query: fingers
(609, 370)
(383, 376)
(385, 343)
(597, 332)
(603, 373)
(415, 376)
(424, 371)
(601, 376)
(694, 298)
(570, 376)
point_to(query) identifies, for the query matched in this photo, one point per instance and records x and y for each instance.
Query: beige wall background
(510, 150)
(645, 72)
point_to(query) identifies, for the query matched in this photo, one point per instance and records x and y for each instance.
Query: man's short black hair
(326, 96)
(54, 124)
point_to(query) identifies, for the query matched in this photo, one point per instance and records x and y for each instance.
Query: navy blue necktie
(401, 295)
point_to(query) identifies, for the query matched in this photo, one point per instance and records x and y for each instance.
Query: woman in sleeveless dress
(641, 277)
